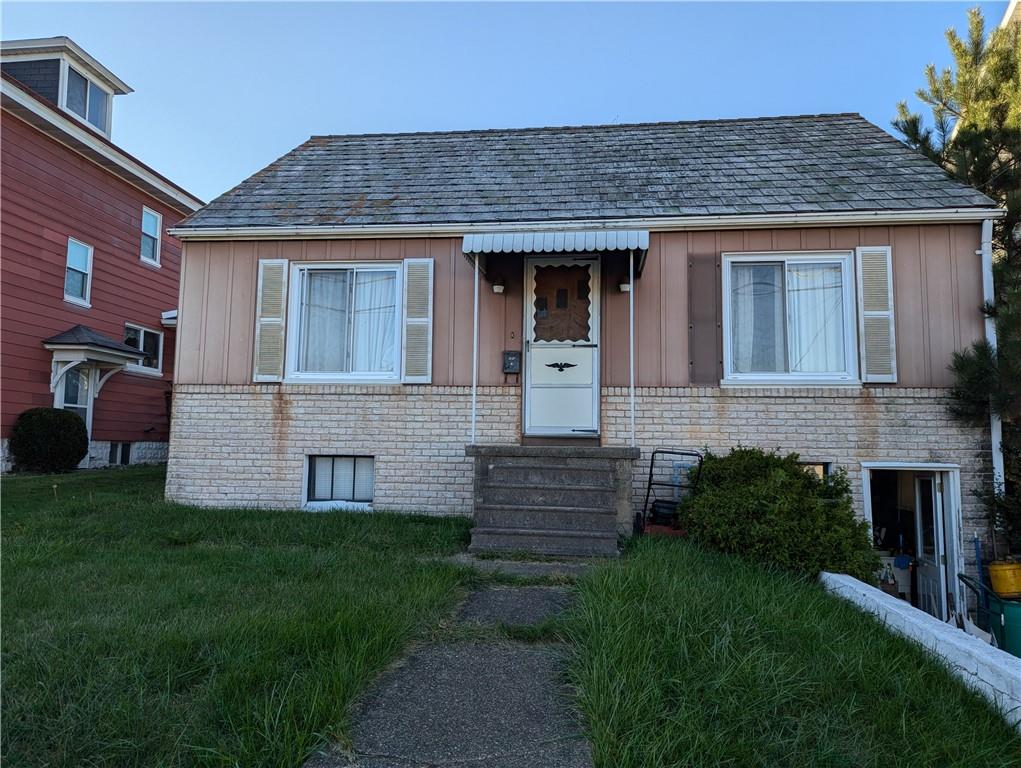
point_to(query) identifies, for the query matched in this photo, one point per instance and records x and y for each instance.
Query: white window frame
(70, 298)
(293, 344)
(62, 97)
(159, 236)
(138, 367)
(848, 377)
(93, 380)
(349, 506)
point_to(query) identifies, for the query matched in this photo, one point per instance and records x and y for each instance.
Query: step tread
(544, 533)
(541, 487)
(608, 511)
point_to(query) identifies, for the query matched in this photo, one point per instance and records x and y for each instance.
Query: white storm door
(562, 347)
(929, 548)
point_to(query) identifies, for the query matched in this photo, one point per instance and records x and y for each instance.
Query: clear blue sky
(223, 89)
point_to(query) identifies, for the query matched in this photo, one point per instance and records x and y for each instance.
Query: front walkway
(475, 698)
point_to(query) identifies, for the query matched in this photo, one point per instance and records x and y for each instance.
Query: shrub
(769, 508)
(48, 440)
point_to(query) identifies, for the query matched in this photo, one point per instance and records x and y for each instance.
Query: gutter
(653, 224)
(988, 293)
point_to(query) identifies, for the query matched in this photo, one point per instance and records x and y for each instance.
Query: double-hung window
(78, 272)
(789, 318)
(150, 344)
(151, 225)
(345, 322)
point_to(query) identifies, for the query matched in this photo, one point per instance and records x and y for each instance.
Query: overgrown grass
(138, 632)
(685, 658)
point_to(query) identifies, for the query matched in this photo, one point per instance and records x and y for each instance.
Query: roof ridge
(581, 127)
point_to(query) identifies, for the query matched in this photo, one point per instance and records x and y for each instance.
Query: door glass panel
(562, 304)
(927, 532)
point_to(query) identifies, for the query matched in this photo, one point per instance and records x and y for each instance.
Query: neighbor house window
(86, 99)
(789, 317)
(151, 224)
(341, 479)
(148, 342)
(345, 323)
(78, 273)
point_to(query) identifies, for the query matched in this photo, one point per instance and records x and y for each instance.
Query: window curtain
(757, 318)
(325, 321)
(815, 300)
(374, 318)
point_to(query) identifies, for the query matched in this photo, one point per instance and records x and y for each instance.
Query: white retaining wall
(993, 673)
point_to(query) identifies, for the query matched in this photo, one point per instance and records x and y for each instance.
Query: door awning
(82, 345)
(557, 242)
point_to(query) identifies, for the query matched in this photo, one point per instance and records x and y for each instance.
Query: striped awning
(557, 242)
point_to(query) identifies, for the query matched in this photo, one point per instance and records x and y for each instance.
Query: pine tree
(975, 136)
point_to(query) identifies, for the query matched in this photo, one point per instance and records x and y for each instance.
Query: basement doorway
(914, 511)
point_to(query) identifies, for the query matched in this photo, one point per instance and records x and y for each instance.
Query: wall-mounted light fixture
(498, 286)
(624, 287)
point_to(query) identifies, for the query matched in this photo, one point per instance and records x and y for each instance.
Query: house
(507, 322)
(89, 275)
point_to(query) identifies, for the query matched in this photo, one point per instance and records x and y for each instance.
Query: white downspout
(995, 425)
(631, 339)
(475, 350)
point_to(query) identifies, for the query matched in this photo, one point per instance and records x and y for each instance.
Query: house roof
(46, 116)
(83, 336)
(813, 163)
(64, 45)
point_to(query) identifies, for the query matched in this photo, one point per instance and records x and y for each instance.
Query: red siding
(48, 194)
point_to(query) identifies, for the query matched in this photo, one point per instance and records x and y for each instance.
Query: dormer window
(87, 99)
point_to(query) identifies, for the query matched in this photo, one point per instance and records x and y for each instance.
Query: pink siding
(937, 286)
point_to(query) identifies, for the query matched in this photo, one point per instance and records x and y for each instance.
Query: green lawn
(137, 632)
(684, 658)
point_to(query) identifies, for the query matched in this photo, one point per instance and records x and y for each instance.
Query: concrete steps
(551, 500)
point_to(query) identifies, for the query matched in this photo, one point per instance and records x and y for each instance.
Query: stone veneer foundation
(99, 454)
(247, 445)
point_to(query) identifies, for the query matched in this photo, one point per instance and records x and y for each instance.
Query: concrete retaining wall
(993, 673)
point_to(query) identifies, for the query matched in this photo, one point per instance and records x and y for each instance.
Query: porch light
(498, 286)
(624, 287)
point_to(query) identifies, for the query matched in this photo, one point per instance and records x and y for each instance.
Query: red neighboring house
(89, 277)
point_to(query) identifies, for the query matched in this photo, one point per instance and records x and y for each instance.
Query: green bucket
(1005, 623)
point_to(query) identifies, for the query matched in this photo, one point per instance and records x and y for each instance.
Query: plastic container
(1005, 579)
(1005, 623)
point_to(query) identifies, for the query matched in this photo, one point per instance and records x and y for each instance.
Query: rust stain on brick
(281, 420)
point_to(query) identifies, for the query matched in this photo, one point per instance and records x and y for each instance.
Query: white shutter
(271, 302)
(877, 337)
(417, 349)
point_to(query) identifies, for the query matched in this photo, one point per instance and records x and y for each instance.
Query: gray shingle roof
(822, 163)
(82, 335)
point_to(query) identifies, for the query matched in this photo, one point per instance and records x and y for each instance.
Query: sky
(223, 89)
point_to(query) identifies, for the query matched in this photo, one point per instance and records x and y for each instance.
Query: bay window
(789, 318)
(345, 322)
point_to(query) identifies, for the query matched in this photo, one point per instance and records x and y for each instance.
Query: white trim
(39, 48)
(65, 65)
(951, 498)
(847, 378)
(292, 344)
(75, 131)
(989, 295)
(58, 393)
(159, 236)
(475, 349)
(138, 367)
(653, 224)
(71, 298)
(630, 344)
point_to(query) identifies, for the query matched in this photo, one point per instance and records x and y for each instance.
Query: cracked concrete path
(498, 704)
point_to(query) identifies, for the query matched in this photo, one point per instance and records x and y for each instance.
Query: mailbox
(512, 361)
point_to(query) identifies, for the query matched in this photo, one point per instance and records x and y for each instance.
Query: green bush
(48, 440)
(769, 508)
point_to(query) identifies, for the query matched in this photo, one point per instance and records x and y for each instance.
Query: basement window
(337, 481)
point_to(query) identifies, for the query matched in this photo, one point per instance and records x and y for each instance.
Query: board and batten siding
(49, 194)
(937, 279)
